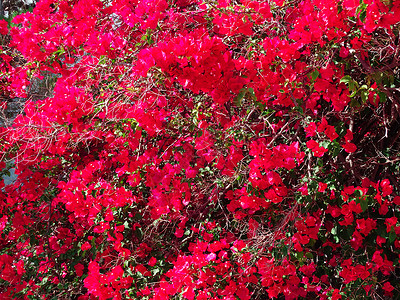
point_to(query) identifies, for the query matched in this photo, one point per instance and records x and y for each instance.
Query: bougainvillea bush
(203, 150)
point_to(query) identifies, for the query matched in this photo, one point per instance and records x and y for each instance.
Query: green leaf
(314, 75)
(139, 232)
(363, 15)
(392, 236)
(382, 97)
(252, 94)
(346, 79)
(325, 144)
(364, 204)
(299, 109)
(334, 230)
(155, 271)
(126, 264)
(238, 100)
(350, 231)
(361, 10)
(354, 103)
(364, 96)
(335, 148)
(320, 162)
(352, 87)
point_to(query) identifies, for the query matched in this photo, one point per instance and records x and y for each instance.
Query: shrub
(203, 150)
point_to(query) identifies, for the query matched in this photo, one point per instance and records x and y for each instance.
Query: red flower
(387, 287)
(310, 129)
(380, 240)
(79, 269)
(243, 293)
(336, 295)
(143, 270)
(349, 136)
(20, 267)
(366, 225)
(349, 147)
(86, 246)
(334, 211)
(390, 222)
(322, 187)
(3, 27)
(152, 261)
(179, 232)
(331, 132)
(344, 52)
(387, 189)
(316, 149)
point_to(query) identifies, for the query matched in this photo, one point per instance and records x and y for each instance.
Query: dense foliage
(202, 150)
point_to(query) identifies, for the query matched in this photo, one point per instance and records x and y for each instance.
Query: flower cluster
(202, 150)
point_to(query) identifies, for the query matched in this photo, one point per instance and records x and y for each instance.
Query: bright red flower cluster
(201, 150)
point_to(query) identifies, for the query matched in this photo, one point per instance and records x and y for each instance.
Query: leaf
(334, 231)
(361, 11)
(346, 79)
(364, 204)
(352, 88)
(252, 94)
(314, 75)
(238, 100)
(355, 103)
(155, 271)
(382, 97)
(364, 96)
(349, 231)
(335, 148)
(392, 236)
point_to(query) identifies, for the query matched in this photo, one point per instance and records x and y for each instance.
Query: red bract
(3, 27)
(350, 147)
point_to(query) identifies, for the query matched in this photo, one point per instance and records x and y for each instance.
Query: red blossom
(318, 151)
(387, 287)
(79, 269)
(349, 147)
